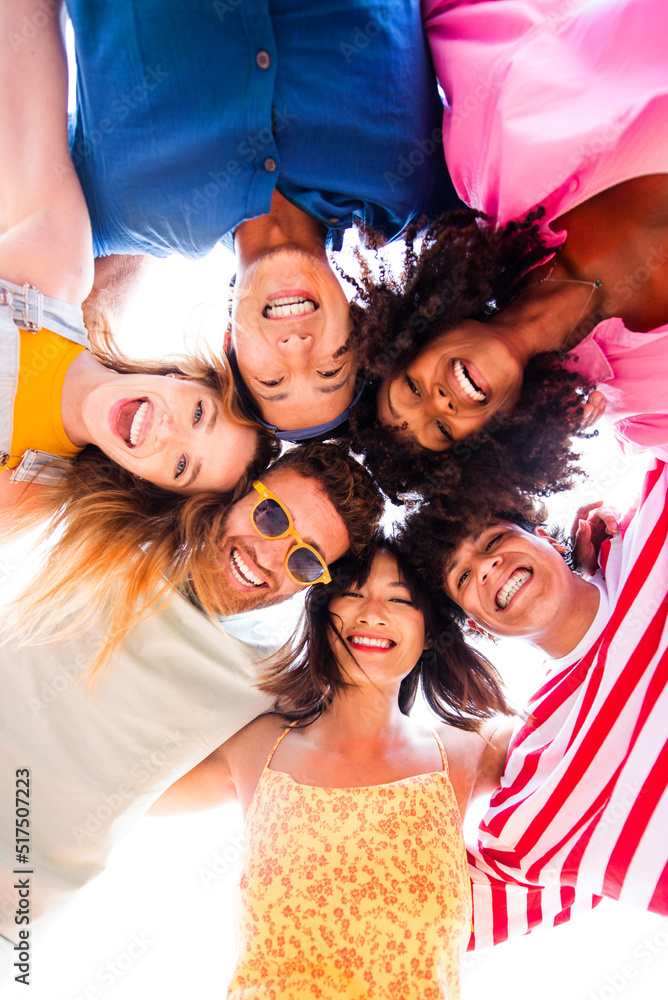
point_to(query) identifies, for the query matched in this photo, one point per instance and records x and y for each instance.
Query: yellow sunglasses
(272, 519)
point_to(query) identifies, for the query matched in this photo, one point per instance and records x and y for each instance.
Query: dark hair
(347, 485)
(459, 684)
(433, 538)
(345, 482)
(463, 271)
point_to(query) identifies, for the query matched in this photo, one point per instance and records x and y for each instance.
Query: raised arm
(492, 757)
(46, 236)
(476, 760)
(205, 786)
(230, 772)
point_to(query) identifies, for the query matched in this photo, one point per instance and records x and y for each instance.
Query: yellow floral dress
(353, 892)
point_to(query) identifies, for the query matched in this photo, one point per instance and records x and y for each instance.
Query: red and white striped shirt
(582, 811)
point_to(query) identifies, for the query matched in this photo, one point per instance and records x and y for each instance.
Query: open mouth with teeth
(132, 421)
(242, 572)
(369, 642)
(466, 383)
(511, 586)
(289, 306)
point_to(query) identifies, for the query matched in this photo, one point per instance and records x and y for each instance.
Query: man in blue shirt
(270, 126)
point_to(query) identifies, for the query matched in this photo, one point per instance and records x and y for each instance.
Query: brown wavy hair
(346, 484)
(120, 538)
(458, 683)
(464, 269)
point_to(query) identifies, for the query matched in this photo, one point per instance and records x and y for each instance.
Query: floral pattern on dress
(353, 892)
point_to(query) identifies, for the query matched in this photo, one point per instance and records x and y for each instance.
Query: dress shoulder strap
(444, 757)
(278, 740)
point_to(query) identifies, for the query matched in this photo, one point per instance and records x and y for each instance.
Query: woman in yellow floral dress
(355, 881)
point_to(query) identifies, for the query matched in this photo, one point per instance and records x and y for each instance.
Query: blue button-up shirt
(190, 114)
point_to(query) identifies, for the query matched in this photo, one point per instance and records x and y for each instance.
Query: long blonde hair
(120, 539)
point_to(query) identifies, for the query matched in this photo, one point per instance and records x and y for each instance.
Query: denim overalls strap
(23, 307)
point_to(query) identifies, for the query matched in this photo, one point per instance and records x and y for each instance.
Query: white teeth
(291, 306)
(362, 640)
(242, 572)
(509, 589)
(138, 422)
(471, 390)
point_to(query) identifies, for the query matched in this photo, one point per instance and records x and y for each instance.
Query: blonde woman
(57, 397)
(110, 452)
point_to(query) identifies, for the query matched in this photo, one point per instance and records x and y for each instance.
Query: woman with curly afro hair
(483, 351)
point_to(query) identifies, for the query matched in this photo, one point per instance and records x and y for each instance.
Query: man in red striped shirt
(583, 807)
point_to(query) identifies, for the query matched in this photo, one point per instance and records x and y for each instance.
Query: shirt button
(270, 164)
(574, 185)
(263, 59)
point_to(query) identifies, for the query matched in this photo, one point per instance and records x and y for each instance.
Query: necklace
(570, 281)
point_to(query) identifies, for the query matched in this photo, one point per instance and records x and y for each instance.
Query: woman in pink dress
(560, 110)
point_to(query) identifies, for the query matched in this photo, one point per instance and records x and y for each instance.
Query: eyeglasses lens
(304, 565)
(270, 519)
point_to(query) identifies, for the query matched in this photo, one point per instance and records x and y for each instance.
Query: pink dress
(550, 102)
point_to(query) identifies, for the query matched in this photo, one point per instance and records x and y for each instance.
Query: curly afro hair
(464, 271)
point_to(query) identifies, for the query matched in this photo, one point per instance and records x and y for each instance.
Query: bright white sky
(159, 921)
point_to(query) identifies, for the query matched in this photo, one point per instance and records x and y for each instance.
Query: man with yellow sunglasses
(312, 505)
(272, 519)
(182, 684)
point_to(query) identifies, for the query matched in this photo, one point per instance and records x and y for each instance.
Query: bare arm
(492, 760)
(230, 772)
(207, 785)
(116, 279)
(476, 760)
(46, 236)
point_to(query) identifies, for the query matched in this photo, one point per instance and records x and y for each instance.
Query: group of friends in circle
(530, 302)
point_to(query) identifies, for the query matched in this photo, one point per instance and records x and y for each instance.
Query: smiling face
(253, 573)
(381, 626)
(453, 386)
(290, 317)
(171, 431)
(515, 583)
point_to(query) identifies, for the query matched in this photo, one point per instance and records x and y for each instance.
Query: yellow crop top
(44, 360)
